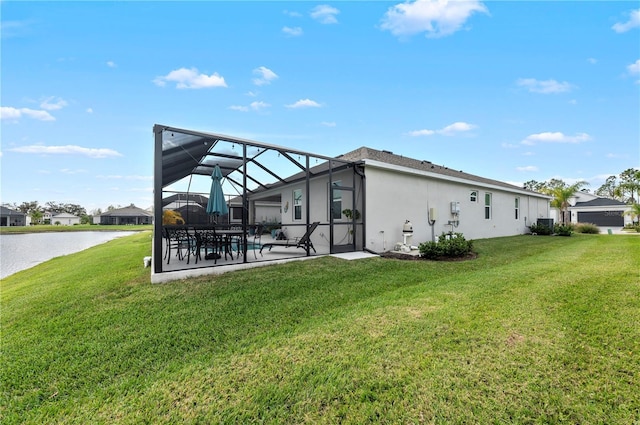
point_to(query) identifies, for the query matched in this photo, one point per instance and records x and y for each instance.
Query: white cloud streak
(634, 68)
(436, 18)
(67, 150)
(304, 103)
(325, 14)
(265, 76)
(633, 22)
(253, 106)
(10, 113)
(555, 137)
(450, 130)
(191, 79)
(544, 86)
(292, 32)
(53, 104)
(527, 168)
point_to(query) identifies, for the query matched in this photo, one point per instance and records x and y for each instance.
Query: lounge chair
(303, 242)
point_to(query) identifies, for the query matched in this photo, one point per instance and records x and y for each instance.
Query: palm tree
(561, 195)
(633, 212)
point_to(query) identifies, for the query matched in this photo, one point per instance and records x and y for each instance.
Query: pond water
(22, 251)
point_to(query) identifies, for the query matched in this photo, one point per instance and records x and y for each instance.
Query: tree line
(625, 188)
(36, 211)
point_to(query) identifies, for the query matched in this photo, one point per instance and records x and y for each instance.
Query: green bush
(540, 229)
(448, 245)
(587, 228)
(563, 229)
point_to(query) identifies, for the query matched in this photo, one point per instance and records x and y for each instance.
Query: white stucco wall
(395, 194)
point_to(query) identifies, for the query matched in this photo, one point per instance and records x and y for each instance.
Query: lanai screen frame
(174, 161)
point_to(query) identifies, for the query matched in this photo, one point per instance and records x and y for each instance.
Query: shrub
(448, 245)
(540, 229)
(587, 228)
(563, 229)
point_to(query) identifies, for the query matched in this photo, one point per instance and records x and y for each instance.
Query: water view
(22, 251)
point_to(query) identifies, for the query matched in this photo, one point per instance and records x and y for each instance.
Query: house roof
(65, 215)
(365, 153)
(129, 211)
(601, 202)
(9, 211)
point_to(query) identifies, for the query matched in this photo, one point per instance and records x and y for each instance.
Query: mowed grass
(42, 228)
(536, 330)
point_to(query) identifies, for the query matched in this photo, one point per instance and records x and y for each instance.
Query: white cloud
(111, 64)
(592, 61)
(304, 103)
(527, 168)
(325, 14)
(293, 14)
(121, 177)
(456, 127)
(89, 110)
(450, 130)
(71, 172)
(544, 87)
(437, 18)
(633, 22)
(634, 68)
(265, 76)
(509, 146)
(293, 32)
(191, 79)
(68, 150)
(555, 137)
(53, 104)
(239, 108)
(328, 124)
(256, 106)
(9, 113)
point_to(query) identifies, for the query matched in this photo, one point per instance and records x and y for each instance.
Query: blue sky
(513, 91)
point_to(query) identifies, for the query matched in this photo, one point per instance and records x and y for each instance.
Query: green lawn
(536, 330)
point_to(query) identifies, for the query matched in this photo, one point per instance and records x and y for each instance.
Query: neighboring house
(587, 208)
(65, 219)
(9, 217)
(126, 215)
(46, 217)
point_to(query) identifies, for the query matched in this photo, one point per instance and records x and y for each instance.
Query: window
(473, 196)
(336, 201)
(297, 204)
(487, 206)
(517, 208)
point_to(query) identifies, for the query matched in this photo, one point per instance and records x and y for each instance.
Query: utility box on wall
(455, 207)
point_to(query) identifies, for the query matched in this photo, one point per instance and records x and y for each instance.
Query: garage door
(602, 218)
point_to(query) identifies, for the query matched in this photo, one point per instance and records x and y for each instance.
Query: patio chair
(301, 242)
(179, 239)
(257, 239)
(210, 240)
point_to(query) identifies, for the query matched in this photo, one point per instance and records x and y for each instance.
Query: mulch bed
(402, 256)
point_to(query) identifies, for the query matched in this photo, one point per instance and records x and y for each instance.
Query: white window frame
(297, 205)
(517, 207)
(487, 205)
(473, 196)
(337, 215)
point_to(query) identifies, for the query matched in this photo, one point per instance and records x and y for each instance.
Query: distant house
(126, 215)
(9, 217)
(65, 219)
(587, 208)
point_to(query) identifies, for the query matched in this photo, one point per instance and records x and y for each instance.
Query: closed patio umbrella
(216, 205)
